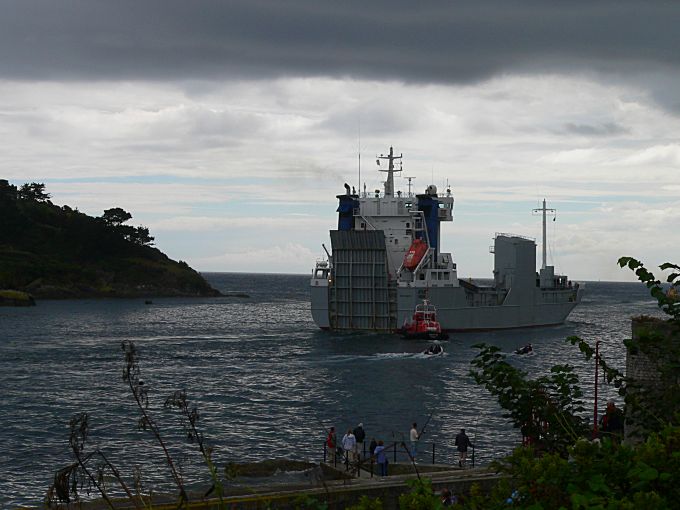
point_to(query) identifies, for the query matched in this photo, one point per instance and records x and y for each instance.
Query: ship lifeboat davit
(415, 254)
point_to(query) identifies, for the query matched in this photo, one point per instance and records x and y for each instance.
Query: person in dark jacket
(611, 422)
(462, 443)
(359, 435)
(371, 447)
(446, 497)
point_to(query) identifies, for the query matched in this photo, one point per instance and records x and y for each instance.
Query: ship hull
(546, 308)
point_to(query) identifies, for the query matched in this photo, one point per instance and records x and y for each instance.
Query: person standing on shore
(611, 423)
(359, 435)
(372, 446)
(349, 443)
(414, 437)
(331, 445)
(462, 443)
(381, 458)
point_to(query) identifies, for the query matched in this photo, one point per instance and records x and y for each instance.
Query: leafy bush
(595, 475)
(421, 496)
(548, 409)
(669, 300)
(366, 503)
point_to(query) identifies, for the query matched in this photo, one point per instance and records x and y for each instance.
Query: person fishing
(414, 436)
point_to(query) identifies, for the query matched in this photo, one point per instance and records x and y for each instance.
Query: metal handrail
(396, 452)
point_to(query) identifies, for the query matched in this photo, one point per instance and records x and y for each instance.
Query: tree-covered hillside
(59, 252)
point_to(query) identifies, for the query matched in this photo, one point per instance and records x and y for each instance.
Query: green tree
(8, 192)
(141, 236)
(116, 216)
(34, 191)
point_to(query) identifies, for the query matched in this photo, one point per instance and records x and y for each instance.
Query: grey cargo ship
(385, 258)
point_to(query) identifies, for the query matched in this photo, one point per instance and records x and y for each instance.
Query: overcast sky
(228, 127)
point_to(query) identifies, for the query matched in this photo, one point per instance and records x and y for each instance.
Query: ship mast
(389, 183)
(409, 184)
(544, 211)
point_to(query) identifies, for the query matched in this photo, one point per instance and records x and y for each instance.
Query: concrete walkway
(344, 492)
(337, 489)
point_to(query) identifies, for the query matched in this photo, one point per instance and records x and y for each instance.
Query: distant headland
(57, 252)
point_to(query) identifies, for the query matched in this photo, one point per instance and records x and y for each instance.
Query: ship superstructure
(385, 258)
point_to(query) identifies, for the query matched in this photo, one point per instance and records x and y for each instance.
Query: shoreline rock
(60, 292)
(10, 297)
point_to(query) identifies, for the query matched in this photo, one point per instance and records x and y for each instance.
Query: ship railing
(395, 451)
(505, 234)
(381, 194)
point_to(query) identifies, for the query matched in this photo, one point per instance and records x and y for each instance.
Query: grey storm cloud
(425, 41)
(605, 129)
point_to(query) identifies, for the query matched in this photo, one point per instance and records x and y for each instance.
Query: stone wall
(645, 383)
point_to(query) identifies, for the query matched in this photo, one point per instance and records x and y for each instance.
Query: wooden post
(597, 366)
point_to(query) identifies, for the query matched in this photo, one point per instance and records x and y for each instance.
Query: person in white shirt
(349, 443)
(414, 440)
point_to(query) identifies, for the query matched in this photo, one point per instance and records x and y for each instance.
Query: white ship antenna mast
(543, 210)
(359, 185)
(389, 183)
(409, 184)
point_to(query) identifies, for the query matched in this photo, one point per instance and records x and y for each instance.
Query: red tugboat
(424, 323)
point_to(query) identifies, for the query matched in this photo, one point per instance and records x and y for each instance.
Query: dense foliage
(53, 251)
(548, 409)
(668, 299)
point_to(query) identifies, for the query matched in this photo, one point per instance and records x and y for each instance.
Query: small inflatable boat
(527, 349)
(434, 350)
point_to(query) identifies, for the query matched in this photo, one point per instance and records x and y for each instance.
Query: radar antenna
(543, 210)
(389, 183)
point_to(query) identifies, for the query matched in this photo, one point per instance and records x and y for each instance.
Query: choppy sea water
(266, 381)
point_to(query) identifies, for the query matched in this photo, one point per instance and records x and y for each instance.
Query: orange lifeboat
(415, 254)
